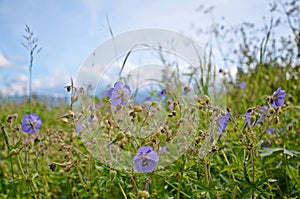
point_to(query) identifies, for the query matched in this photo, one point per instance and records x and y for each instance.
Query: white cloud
(50, 85)
(6, 63)
(3, 61)
(18, 86)
(55, 82)
(22, 77)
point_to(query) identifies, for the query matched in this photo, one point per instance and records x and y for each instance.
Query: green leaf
(271, 152)
(292, 172)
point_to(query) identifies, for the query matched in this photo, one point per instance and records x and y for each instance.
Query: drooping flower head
(248, 119)
(120, 94)
(52, 167)
(222, 122)
(92, 122)
(270, 130)
(278, 98)
(263, 113)
(31, 123)
(186, 90)
(79, 128)
(162, 92)
(146, 159)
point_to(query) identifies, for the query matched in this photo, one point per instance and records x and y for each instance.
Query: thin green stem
(228, 163)
(253, 171)
(179, 186)
(8, 147)
(122, 190)
(186, 195)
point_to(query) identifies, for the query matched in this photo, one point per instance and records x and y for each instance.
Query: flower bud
(10, 117)
(64, 120)
(202, 102)
(271, 110)
(71, 114)
(143, 194)
(120, 136)
(154, 103)
(74, 98)
(137, 108)
(68, 88)
(158, 134)
(118, 107)
(112, 174)
(206, 99)
(128, 134)
(276, 120)
(252, 119)
(210, 112)
(197, 98)
(14, 152)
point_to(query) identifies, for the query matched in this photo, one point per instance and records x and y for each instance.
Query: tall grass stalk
(31, 45)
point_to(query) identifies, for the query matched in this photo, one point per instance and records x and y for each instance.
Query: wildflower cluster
(257, 115)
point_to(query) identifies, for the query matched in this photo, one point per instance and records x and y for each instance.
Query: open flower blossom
(222, 122)
(278, 98)
(31, 123)
(120, 94)
(146, 159)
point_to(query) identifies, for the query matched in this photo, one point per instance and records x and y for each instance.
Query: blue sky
(69, 30)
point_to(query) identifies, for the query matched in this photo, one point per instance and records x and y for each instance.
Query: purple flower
(120, 94)
(270, 130)
(52, 167)
(162, 92)
(278, 98)
(242, 85)
(247, 119)
(266, 143)
(146, 159)
(162, 149)
(222, 122)
(263, 112)
(92, 122)
(31, 123)
(79, 128)
(186, 90)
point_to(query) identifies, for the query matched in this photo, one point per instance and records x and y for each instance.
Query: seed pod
(14, 152)
(143, 194)
(112, 174)
(206, 99)
(64, 120)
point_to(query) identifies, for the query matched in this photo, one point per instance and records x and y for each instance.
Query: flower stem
(8, 147)
(179, 186)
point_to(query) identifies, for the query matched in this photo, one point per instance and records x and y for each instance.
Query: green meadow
(247, 149)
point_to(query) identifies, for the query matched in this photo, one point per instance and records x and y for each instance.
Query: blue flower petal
(144, 165)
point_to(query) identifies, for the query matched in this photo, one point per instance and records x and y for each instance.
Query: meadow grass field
(247, 149)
